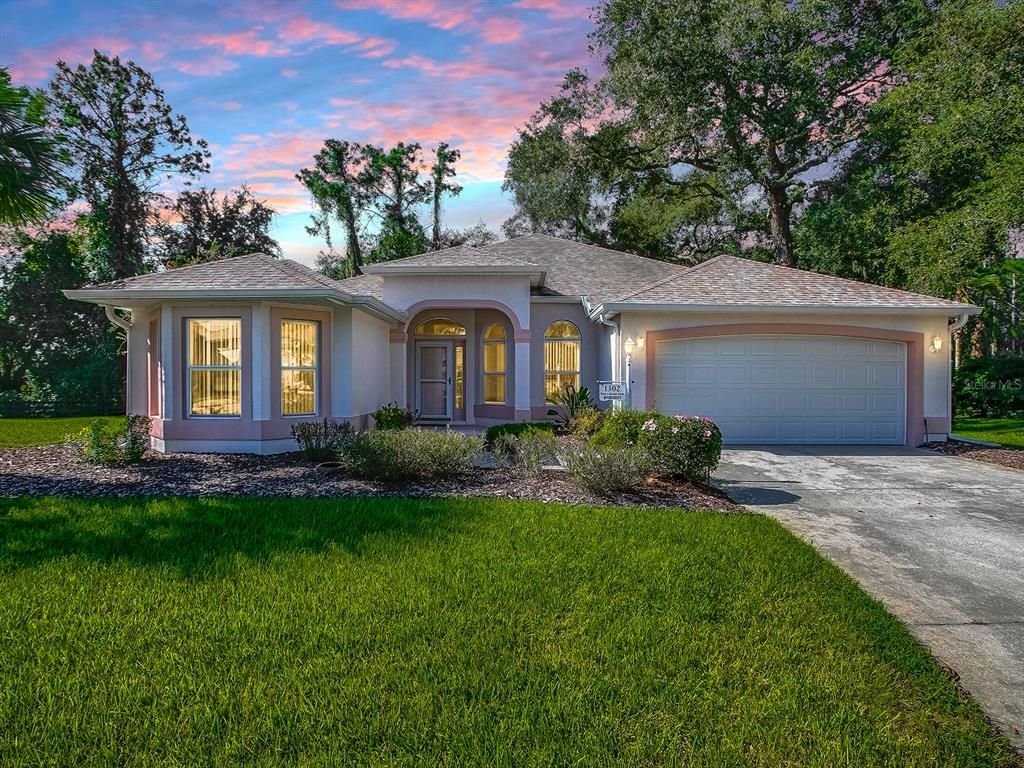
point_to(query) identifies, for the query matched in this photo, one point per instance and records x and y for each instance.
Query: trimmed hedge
(409, 454)
(517, 429)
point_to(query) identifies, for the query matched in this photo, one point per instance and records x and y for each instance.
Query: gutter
(116, 319)
(787, 309)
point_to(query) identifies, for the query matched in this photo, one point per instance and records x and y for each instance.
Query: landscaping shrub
(684, 447)
(319, 440)
(990, 386)
(529, 451)
(517, 428)
(575, 408)
(621, 428)
(123, 442)
(393, 416)
(607, 471)
(409, 454)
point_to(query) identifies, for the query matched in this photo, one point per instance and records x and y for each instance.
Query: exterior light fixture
(936, 344)
(639, 343)
(629, 346)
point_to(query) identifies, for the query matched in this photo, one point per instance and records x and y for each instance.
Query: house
(226, 356)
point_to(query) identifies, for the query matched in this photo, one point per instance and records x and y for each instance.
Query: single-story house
(227, 355)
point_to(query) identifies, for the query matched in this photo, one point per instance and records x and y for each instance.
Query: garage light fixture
(936, 344)
(629, 346)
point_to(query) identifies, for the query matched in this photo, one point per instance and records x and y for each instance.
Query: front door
(434, 379)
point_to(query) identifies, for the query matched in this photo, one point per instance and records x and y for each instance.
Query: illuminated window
(214, 357)
(440, 326)
(298, 367)
(561, 356)
(494, 364)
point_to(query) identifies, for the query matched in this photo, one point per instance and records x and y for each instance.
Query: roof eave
(128, 298)
(611, 308)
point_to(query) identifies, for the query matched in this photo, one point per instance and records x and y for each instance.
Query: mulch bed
(57, 470)
(1006, 457)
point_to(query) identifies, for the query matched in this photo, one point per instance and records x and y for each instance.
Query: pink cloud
(231, 105)
(289, 72)
(499, 30)
(205, 66)
(302, 29)
(376, 47)
(557, 9)
(246, 43)
(32, 65)
(458, 69)
(442, 14)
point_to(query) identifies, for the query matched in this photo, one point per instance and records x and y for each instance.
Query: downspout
(954, 327)
(126, 326)
(616, 336)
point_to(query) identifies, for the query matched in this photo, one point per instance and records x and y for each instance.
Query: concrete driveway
(939, 540)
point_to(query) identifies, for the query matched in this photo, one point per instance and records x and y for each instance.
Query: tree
(356, 183)
(205, 226)
(474, 237)
(337, 183)
(30, 163)
(124, 140)
(442, 170)
(725, 109)
(52, 347)
(929, 196)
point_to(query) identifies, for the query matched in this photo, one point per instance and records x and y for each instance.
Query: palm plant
(29, 159)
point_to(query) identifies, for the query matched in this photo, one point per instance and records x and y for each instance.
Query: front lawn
(455, 632)
(1008, 432)
(18, 433)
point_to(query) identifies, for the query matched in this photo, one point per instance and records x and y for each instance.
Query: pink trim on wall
(524, 415)
(914, 342)
(494, 411)
(419, 306)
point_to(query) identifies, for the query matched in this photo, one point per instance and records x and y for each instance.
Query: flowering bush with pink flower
(686, 447)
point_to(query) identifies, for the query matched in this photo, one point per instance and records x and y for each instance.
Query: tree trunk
(780, 212)
(435, 240)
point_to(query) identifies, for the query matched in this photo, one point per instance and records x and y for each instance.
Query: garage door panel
(787, 389)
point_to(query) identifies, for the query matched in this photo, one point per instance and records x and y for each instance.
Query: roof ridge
(686, 273)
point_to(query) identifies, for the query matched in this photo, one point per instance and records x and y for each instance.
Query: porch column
(137, 396)
(168, 393)
(522, 398)
(397, 375)
(261, 363)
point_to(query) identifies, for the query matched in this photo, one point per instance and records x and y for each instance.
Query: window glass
(214, 355)
(440, 326)
(299, 340)
(561, 356)
(495, 357)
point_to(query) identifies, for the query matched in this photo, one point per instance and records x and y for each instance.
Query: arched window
(561, 356)
(495, 359)
(440, 326)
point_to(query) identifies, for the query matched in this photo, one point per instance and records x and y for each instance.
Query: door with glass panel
(434, 379)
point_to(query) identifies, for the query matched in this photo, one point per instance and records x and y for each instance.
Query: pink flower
(707, 433)
(680, 418)
(675, 430)
(705, 419)
(649, 426)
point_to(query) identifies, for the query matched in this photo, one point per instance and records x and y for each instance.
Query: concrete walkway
(939, 540)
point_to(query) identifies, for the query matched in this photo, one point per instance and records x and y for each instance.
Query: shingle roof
(254, 271)
(729, 280)
(363, 285)
(578, 269)
(459, 256)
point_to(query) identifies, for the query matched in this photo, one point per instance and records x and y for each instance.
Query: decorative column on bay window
(522, 393)
(262, 365)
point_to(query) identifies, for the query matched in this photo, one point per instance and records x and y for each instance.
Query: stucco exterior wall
(513, 291)
(935, 403)
(594, 361)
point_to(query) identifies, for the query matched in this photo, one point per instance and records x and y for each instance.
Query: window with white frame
(214, 356)
(299, 367)
(495, 362)
(561, 356)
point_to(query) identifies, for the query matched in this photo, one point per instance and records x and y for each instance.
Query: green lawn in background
(17, 433)
(455, 632)
(1009, 432)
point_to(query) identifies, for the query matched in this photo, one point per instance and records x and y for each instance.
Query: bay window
(214, 373)
(299, 362)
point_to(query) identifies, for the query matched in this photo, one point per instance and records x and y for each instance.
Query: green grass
(1008, 432)
(455, 632)
(18, 433)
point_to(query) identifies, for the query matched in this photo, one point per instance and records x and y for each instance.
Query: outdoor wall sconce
(936, 344)
(629, 346)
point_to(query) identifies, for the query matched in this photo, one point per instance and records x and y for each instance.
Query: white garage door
(787, 389)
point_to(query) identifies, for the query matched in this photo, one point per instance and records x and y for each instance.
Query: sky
(266, 82)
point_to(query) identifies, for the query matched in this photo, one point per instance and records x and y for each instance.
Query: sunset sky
(266, 82)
